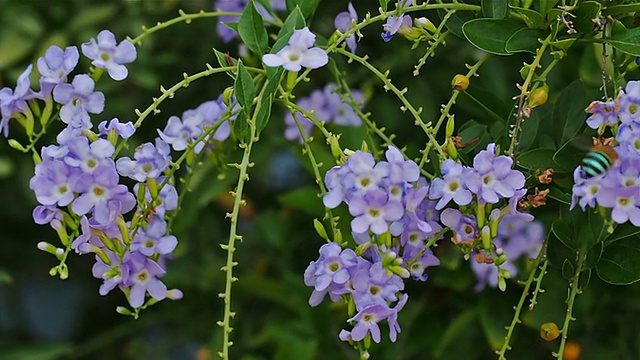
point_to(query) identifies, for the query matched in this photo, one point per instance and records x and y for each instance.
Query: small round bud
(549, 331)
(572, 351)
(227, 95)
(174, 294)
(460, 82)
(538, 96)
(320, 229)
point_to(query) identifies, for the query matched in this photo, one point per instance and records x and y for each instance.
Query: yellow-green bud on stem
(63, 271)
(124, 230)
(153, 187)
(426, 23)
(485, 235)
(336, 151)
(48, 110)
(460, 82)
(97, 73)
(501, 258)
(291, 80)
(227, 94)
(320, 229)
(538, 96)
(16, 145)
(503, 274)
(337, 237)
(123, 311)
(91, 135)
(450, 127)
(481, 214)
(360, 249)
(46, 247)
(385, 239)
(400, 271)
(451, 149)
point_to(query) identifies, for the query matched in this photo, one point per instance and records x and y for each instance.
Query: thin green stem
(518, 308)
(581, 256)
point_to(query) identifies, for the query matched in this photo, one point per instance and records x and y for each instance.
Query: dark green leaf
(274, 77)
(568, 157)
(557, 252)
(568, 112)
(487, 100)
(585, 278)
(460, 325)
(530, 126)
(303, 199)
(252, 30)
(224, 58)
(627, 42)
(568, 270)
(456, 20)
(267, 5)
(621, 9)
(496, 9)
(587, 11)
(593, 256)
(620, 262)
(244, 87)
(383, 4)
(544, 6)
(490, 35)
(598, 228)
(294, 21)
(564, 44)
(559, 195)
(308, 7)
(473, 132)
(525, 40)
(622, 232)
(563, 230)
(532, 18)
(241, 126)
(536, 159)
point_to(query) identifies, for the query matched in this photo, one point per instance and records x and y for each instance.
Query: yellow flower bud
(460, 82)
(538, 96)
(549, 331)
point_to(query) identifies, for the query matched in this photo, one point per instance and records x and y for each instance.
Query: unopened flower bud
(16, 145)
(123, 310)
(320, 229)
(451, 123)
(460, 82)
(426, 23)
(538, 96)
(174, 294)
(549, 331)
(485, 234)
(334, 145)
(400, 271)
(227, 95)
(46, 247)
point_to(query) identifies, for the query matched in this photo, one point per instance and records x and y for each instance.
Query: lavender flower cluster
(225, 32)
(327, 106)
(398, 216)
(77, 181)
(618, 188)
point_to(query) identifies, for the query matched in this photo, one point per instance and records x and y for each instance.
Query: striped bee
(598, 160)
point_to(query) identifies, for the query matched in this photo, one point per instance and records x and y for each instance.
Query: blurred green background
(45, 318)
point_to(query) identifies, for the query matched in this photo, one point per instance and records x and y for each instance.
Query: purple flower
(395, 23)
(629, 103)
(78, 100)
(513, 206)
(53, 182)
(603, 113)
(55, 66)
(144, 274)
(367, 321)
(375, 285)
(113, 273)
(44, 214)
(401, 170)
(106, 54)
(342, 113)
(299, 53)
(487, 274)
(102, 193)
(493, 177)
(152, 240)
(180, 133)
(374, 211)
(166, 200)
(89, 156)
(464, 227)
(12, 102)
(452, 186)
(330, 272)
(417, 269)
(124, 130)
(584, 191)
(344, 22)
(520, 237)
(624, 202)
(150, 161)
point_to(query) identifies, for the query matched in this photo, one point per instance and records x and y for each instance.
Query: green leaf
(622, 232)
(536, 159)
(627, 42)
(308, 7)
(304, 199)
(459, 326)
(568, 157)
(241, 126)
(471, 132)
(593, 256)
(244, 87)
(456, 20)
(568, 270)
(532, 18)
(587, 11)
(564, 232)
(252, 30)
(564, 44)
(620, 263)
(496, 9)
(544, 6)
(274, 78)
(223, 61)
(568, 112)
(490, 35)
(621, 9)
(294, 21)
(383, 4)
(530, 126)
(559, 195)
(525, 40)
